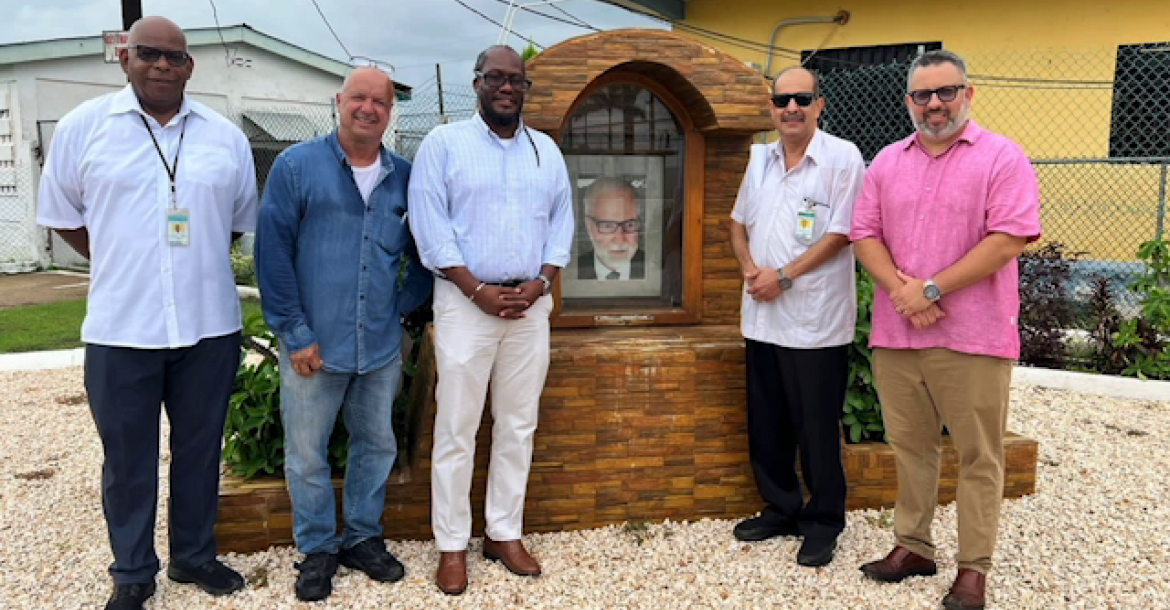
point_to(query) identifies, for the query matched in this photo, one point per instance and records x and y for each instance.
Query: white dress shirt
(602, 272)
(104, 174)
(820, 310)
(502, 208)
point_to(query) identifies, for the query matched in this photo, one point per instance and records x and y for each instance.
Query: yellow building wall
(1043, 75)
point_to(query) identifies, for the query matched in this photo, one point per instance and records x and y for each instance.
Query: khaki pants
(920, 391)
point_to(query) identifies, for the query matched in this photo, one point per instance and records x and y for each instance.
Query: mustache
(793, 116)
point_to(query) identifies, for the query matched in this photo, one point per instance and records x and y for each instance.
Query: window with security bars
(865, 88)
(1141, 102)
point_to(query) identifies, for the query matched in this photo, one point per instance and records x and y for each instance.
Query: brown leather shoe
(452, 573)
(968, 591)
(513, 555)
(899, 565)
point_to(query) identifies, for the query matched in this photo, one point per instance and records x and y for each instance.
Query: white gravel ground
(1095, 536)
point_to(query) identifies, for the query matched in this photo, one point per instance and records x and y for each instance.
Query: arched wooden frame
(692, 246)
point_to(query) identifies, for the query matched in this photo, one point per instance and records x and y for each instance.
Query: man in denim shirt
(331, 240)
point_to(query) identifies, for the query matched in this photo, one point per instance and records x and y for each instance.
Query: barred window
(1141, 101)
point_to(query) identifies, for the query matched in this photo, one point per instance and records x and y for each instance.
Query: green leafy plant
(253, 436)
(862, 417)
(243, 266)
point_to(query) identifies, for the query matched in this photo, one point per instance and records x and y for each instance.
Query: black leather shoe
(130, 597)
(315, 582)
(212, 576)
(816, 552)
(370, 556)
(763, 527)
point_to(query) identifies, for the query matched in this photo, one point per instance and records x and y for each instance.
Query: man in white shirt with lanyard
(491, 211)
(790, 232)
(152, 187)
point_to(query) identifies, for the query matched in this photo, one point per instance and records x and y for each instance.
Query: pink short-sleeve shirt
(929, 212)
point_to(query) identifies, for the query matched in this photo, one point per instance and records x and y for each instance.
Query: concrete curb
(40, 361)
(1090, 383)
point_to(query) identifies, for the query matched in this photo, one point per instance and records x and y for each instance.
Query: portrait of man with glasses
(613, 223)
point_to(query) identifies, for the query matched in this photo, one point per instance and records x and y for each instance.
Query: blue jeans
(308, 408)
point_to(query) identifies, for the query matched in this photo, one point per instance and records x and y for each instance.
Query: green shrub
(862, 419)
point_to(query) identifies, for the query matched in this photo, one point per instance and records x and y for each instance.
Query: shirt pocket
(395, 233)
(811, 304)
(209, 166)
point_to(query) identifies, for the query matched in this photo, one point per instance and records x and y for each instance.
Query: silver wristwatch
(785, 281)
(547, 283)
(931, 291)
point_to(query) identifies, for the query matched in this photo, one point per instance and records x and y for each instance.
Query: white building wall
(44, 91)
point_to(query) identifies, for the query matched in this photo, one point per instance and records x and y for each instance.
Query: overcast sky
(410, 34)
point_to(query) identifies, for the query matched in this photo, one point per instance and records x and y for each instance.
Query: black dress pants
(795, 399)
(126, 387)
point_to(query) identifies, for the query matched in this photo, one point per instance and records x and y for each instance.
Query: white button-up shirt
(104, 174)
(820, 310)
(502, 208)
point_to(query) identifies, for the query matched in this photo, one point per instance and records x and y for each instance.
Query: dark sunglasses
(177, 59)
(802, 99)
(945, 94)
(495, 80)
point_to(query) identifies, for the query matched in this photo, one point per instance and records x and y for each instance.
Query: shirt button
(928, 189)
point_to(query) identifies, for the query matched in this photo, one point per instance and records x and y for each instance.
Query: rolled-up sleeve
(867, 211)
(430, 214)
(1013, 202)
(276, 238)
(560, 239)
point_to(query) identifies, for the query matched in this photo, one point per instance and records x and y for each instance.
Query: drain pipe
(841, 18)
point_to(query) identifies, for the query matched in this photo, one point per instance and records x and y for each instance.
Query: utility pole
(131, 12)
(439, 84)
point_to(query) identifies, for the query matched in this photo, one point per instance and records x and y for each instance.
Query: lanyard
(172, 168)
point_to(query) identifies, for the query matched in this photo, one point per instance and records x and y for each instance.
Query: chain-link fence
(432, 104)
(1095, 123)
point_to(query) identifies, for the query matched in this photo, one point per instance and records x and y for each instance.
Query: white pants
(472, 347)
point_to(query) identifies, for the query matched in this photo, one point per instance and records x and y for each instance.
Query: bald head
(155, 28)
(368, 77)
(802, 75)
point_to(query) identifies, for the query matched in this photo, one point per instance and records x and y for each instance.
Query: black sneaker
(370, 556)
(315, 582)
(763, 527)
(816, 552)
(212, 576)
(130, 597)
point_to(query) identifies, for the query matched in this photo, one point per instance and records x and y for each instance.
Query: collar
(814, 152)
(971, 134)
(601, 272)
(520, 127)
(125, 101)
(334, 140)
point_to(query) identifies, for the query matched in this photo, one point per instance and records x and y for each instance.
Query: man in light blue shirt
(331, 245)
(491, 209)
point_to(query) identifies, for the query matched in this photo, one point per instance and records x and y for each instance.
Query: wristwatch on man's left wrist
(547, 284)
(931, 291)
(785, 281)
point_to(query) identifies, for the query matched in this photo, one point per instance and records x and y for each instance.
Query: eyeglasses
(177, 59)
(633, 225)
(945, 94)
(802, 99)
(495, 80)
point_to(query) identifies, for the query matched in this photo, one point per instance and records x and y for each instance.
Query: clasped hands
(763, 284)
(910, 302)
(508, 303)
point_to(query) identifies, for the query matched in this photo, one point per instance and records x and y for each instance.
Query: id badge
(806, 219)
(179, 227)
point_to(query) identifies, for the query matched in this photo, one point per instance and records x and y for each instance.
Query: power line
(227, 57)
(511, 31)
(571, 16)
(348, 55)
(577, 23)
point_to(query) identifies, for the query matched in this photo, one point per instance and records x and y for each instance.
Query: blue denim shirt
(328, 262)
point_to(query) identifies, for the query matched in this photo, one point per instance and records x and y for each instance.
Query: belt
(505, 284)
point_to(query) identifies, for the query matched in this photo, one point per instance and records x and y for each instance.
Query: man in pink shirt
(941, 218)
